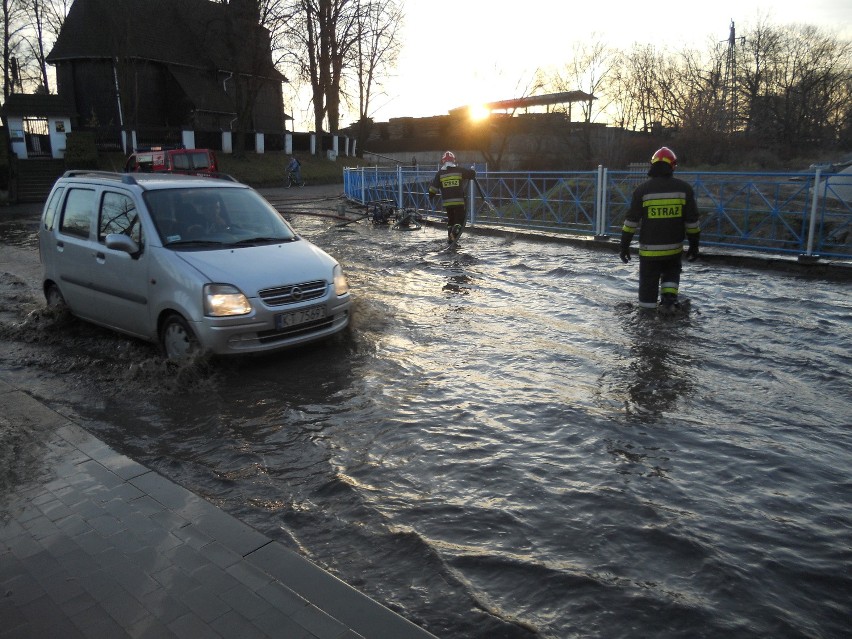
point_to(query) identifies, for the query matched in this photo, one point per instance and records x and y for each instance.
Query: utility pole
(730, 84)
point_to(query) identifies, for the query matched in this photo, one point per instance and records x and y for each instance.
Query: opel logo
(296, 293)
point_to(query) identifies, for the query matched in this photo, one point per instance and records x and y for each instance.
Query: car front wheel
(177, 339)
(54, 297)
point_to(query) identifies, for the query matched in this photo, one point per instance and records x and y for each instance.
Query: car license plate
(303, 315)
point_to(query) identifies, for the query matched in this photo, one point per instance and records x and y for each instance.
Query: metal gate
(37, 136)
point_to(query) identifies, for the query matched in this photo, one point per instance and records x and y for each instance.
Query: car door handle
(100, 257)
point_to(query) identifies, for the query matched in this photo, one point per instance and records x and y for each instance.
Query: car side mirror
(121, 242)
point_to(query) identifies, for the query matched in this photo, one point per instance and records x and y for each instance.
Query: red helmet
(664, 154)
(448, 158)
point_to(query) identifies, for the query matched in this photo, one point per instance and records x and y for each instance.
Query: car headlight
(224, 300)
(341, 286)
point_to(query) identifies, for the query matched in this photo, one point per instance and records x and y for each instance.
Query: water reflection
(458, 283)
(658, 370)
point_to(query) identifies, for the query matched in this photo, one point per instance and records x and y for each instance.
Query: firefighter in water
(664, 210)
(448, 181)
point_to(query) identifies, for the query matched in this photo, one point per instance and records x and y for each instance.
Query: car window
(143, 162)
(79, 212)
(51, 208)
(118, 215)
(196, 214)
(200, 160)
(180, 161)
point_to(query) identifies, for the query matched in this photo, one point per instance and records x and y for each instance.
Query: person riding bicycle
(294, 172)
(448, 182)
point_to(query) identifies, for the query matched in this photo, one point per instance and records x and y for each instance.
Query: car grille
(281, 295)
(294, 331)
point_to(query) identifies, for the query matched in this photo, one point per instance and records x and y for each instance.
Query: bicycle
(291, 180)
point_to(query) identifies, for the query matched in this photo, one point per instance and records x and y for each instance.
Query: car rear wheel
(177, 339)
(54, 297)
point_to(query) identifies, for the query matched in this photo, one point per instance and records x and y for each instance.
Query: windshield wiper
(264, 240)
(195, 243)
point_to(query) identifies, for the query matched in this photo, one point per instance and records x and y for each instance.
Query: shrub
(81, 151)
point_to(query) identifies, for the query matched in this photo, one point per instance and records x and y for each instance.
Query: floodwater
(504, 445)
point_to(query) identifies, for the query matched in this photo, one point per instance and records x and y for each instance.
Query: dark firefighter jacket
(449, 182)
(665, 212)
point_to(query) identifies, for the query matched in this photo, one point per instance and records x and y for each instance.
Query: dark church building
(163, 69)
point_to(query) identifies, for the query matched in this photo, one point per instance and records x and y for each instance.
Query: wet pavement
(93, 544)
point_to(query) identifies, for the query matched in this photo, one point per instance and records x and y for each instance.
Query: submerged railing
(806, 214)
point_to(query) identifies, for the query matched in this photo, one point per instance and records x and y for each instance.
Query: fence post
(600, 226)
(471, 199)
(808, 255)
(399, 186)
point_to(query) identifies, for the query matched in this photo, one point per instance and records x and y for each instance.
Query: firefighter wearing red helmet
(665, 212)
(448, 182)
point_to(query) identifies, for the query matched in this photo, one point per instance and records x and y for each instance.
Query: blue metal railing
(793, 213)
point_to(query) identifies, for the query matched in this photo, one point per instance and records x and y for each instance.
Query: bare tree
(35, 38)
(590, 69)
(15, 54)
(376, 52)
(796, 83)
(322, 40)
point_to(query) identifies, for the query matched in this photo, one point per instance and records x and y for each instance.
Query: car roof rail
(112, 175)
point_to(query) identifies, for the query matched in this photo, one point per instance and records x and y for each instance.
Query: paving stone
(244, 601)
(205, 602)
(215, 577)
(319, 623)
(186, 557)
(220, 555)
(173, 578)
(250, 575)
(96, 623)
(190, 626)
(149, 559)
(11, 615)
(124, 608)
(164, 605)
(43, 611)
(72, 525)
(282, 598)
(191, 535)
(133, 578)
(55, 509)
(276, 624)
(233, 624)
(63, 588)
(21, 589)
(152, 629)
(148, 506)
(99, 584)
(78, 603)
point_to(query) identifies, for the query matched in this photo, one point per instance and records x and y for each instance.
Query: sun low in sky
(496, 46)
(478, 112)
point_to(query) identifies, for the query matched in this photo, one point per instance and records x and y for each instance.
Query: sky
(472, 51)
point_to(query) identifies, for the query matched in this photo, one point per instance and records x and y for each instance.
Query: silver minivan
(193, 263)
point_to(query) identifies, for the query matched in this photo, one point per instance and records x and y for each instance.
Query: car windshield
(205, 218)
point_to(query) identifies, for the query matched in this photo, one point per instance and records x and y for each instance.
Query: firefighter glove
(692, 251)
(625, 250)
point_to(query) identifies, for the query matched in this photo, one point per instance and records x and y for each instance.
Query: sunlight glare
(479, 112)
